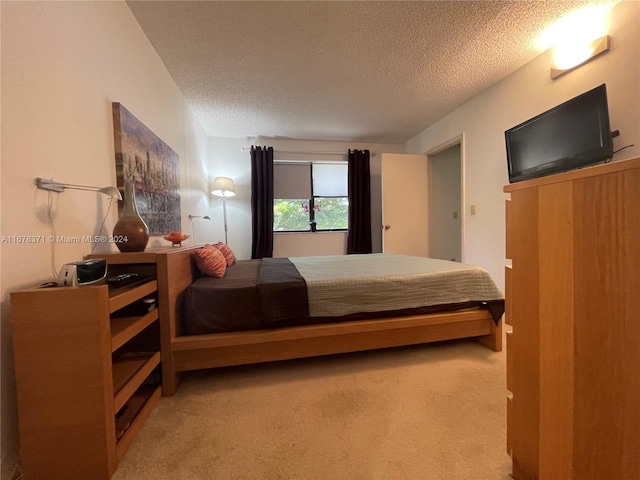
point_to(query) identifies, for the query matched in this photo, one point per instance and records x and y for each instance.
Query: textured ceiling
(339, 70)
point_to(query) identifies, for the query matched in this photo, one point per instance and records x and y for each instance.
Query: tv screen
(571, 135)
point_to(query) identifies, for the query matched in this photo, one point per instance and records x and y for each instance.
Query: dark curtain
(359, 236)
(261, 202)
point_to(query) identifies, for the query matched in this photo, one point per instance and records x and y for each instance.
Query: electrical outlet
(473, 209)
(455, 215)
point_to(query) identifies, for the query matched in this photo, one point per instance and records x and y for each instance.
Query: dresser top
(571, 175)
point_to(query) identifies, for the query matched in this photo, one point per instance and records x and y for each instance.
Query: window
(310, 197)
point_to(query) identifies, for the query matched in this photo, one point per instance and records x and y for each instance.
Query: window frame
(312, 202)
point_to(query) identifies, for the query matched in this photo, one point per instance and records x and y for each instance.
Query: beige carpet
(427, 412)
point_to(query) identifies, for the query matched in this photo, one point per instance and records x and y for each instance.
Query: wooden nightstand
(88, 367)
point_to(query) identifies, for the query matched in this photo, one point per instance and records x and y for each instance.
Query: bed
(279, 309)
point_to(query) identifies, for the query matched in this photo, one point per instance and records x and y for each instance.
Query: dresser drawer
(509, 225)
(510, 430)
(508, 315)
(510, 379)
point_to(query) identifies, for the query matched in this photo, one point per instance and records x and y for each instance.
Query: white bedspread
(344, 284)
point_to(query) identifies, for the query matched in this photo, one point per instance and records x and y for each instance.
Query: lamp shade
(223, 187)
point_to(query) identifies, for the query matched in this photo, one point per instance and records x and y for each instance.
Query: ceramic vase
(130, 233)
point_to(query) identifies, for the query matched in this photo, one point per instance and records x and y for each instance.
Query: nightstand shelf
(125, 328)
(129, 373)
(121, 297)
(87, 373)
(138, 409)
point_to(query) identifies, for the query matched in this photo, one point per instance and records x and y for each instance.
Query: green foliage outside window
(295, 214)
(289, 215)
(333, 213)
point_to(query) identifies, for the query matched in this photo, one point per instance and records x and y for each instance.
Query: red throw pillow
(227, 252)
(211, 262)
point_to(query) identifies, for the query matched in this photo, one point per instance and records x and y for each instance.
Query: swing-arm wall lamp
(54, 186)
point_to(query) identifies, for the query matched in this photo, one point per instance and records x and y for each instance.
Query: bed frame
(181, 353)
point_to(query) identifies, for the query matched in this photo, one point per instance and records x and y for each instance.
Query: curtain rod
(308, 152)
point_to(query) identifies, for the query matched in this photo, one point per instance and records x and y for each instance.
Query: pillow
(211, 262)
(227, 252)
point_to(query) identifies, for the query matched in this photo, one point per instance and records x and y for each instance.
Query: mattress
(272, 293)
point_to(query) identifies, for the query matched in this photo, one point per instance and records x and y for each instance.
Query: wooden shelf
(139, 407)
(121, 297)
(124, 329)
(82, 354)
(129, 373)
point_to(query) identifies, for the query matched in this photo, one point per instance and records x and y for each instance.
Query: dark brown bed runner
(282, 291)
(253, 294)
(496, 308)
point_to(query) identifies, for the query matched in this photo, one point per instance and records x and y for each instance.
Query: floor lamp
(223, 187)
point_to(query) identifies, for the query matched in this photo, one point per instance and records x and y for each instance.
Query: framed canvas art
(153, 167)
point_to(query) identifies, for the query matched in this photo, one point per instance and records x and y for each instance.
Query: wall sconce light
(223, 187)
(193, 231)
(53, 186)
(577, 38)
(571, 56)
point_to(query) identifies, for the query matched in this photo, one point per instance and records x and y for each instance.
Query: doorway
(445, 167)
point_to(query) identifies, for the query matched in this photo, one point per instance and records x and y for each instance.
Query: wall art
(153, 167)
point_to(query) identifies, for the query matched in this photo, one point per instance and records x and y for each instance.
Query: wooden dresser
(573, 300)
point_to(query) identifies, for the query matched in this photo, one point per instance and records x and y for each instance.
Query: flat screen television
(571, 135)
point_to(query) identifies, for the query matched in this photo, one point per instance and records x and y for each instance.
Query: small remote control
(122, 278)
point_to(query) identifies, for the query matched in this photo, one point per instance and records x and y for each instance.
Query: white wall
(520, 96)
(63, 63)
(226, 159)
(309, 244)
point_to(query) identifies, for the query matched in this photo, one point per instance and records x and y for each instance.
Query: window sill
(303, 232)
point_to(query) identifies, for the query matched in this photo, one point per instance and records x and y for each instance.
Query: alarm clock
(85, 272)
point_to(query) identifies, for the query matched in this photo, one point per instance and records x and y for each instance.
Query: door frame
(457, 140)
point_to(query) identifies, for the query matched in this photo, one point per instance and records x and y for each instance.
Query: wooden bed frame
(180, 353)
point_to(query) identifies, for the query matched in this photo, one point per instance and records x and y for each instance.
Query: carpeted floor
(426, 412)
